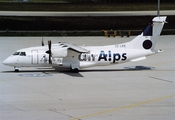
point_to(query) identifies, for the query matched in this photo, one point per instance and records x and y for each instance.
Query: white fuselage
(97, 55)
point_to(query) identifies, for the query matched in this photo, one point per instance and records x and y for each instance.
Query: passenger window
(16, 53)
(22, 54)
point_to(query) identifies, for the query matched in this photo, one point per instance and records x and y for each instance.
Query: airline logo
(102, 56)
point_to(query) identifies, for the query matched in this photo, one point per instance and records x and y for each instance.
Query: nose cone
(7, 62)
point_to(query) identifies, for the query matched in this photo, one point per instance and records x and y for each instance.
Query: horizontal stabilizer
(160, 19)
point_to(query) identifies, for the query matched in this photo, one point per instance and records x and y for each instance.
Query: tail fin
(148, 38)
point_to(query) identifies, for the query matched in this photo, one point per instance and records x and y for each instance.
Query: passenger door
(34, 56)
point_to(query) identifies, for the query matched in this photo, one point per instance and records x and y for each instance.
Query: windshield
(20, 53)
(16, 53)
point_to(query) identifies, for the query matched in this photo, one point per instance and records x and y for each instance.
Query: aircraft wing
(74, 47)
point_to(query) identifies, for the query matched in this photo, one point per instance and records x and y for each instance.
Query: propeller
(49, 51)
(42, 42)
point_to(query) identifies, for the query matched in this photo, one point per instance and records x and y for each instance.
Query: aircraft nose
(7, 61)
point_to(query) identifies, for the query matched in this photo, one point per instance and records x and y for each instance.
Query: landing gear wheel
(16, 70)
(75, 70)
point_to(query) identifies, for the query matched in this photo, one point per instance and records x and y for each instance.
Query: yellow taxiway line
(124, 107)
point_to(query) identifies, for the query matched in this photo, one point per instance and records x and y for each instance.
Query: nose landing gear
(17, 69)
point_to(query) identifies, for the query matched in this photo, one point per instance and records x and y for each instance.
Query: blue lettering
(102, 56)
(116, 57)
(109, 55)
(124, 56)
(86, 57)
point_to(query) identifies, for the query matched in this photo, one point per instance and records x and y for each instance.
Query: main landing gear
(75, 70)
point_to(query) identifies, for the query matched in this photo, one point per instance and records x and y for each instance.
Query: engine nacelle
(59, 53)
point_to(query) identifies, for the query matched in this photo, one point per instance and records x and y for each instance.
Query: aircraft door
(34, 57)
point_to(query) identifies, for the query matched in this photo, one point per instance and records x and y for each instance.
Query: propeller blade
(49, 51)
(50, 61)
(49, 44)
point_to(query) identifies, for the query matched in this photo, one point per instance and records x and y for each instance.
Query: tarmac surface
(119, 92)
(85, 14)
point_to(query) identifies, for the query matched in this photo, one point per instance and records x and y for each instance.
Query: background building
(21, 0)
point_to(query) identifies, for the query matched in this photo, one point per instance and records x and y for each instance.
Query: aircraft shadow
(110, 70)
(129, 68)
(29, 71)
(66, 72)
(70, 73)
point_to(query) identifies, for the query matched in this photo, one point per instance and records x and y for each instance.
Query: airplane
(75, 58)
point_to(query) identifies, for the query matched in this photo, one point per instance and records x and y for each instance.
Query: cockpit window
(22, 54)
(16, 53)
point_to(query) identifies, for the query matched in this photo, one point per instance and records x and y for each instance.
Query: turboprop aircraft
(75, 58)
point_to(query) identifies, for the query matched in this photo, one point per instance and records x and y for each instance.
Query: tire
(75, 70)
(16, 70)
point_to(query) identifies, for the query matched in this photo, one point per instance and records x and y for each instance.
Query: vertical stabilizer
(148, 38)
